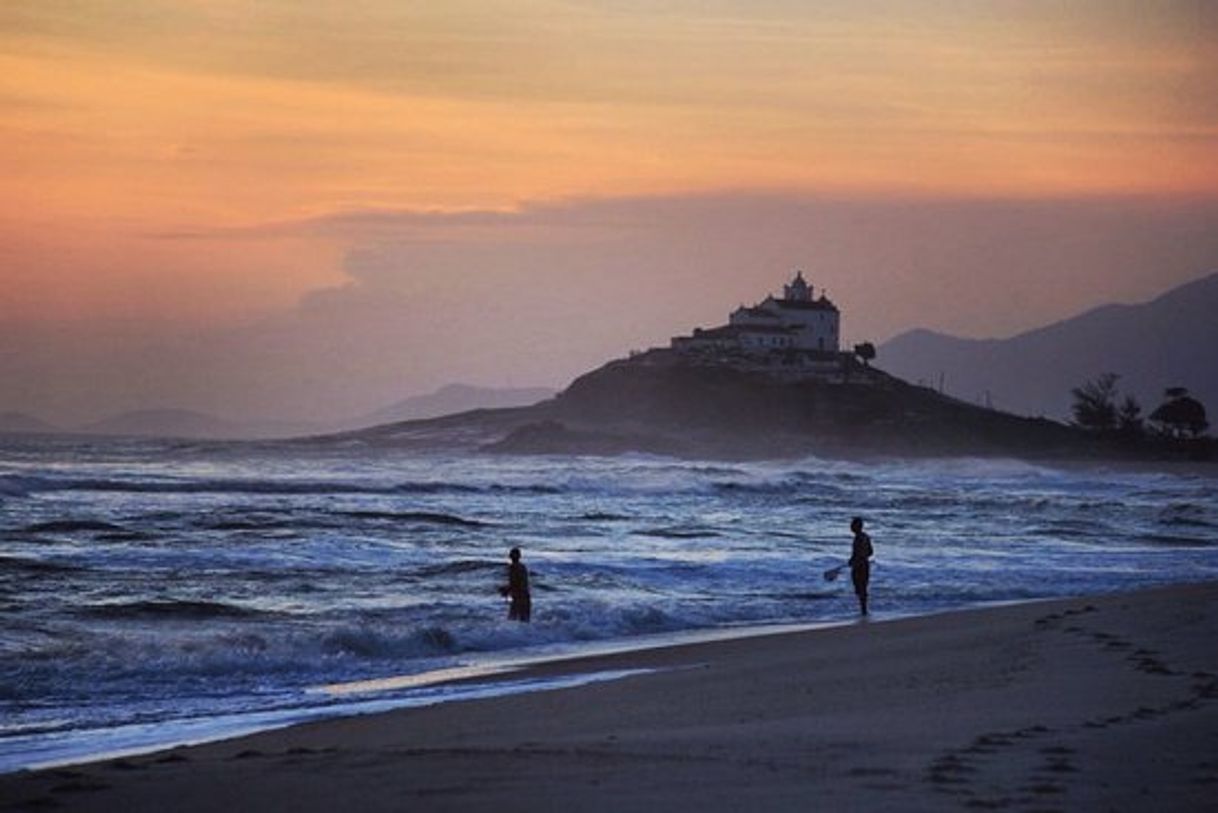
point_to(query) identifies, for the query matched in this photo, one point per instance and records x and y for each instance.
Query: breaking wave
(68, 526)
(182, 610)
(428, 517)
(14, 485)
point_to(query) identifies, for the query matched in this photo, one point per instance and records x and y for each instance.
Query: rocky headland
(666, 403)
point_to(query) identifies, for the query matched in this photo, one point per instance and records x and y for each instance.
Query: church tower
(797, 290)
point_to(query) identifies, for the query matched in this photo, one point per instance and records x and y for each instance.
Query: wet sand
(1099, 703)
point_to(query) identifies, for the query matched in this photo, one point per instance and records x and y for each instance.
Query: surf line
(422, 679)
(440, 686)
(491, 667)
(93, 745)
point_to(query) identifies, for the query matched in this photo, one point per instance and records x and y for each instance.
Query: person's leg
(861, 576)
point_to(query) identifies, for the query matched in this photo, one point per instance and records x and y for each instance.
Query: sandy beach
(1097, 703)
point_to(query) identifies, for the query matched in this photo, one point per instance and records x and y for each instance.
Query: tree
(1181, 416)
(1129, 417)
(1095, 403)
(865, 351)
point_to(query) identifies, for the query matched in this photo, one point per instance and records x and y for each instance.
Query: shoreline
(462, 682)
(1087, 703)
(485, 674)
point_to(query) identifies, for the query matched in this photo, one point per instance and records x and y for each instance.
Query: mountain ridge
(1170, 340)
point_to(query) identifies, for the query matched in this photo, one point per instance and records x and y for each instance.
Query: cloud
(542, 293)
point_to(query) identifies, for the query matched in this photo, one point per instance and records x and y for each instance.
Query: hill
(660, 403)
(1169, 341)
(21, 423)
(185, 423)
(454, 398)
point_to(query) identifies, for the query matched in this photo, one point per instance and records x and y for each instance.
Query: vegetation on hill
(1177, 426)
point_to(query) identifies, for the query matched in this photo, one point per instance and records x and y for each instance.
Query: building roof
(756, 312)
(821, 304)
(728, 331)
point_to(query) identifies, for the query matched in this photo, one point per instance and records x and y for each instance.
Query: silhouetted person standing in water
(860, 562)
(517, 588)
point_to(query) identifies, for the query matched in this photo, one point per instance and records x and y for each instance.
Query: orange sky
(183, 161)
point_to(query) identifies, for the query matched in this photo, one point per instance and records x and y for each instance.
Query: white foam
(77, 746)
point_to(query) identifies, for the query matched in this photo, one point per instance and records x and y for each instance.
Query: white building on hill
(798, 324)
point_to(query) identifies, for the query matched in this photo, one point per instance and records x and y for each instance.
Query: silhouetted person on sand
(860, 562)
(517, 588)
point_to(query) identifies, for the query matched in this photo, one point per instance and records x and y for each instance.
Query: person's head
(856, 524)
(514, 554)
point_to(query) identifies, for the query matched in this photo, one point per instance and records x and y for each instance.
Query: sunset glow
(170, 162)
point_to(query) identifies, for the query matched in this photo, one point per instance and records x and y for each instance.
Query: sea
(154, 593)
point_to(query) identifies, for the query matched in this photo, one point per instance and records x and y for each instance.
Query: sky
(310, 210)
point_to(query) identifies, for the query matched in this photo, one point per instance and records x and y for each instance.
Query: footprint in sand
(1045, 789)
(1046, 620)
(85, 785)
(1060, 765)
(249, 753)
(1033, 731)
(124, 765)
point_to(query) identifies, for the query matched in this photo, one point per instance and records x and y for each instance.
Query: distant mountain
(454, 398)
(185, 423)
(21, 423)
(1169, 341)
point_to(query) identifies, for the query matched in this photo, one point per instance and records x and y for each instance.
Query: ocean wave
(69, 526)
(428, 517)
(365, 585)
(179, 610)
(1176, 541)
(367, 643)
(25, 485)
(1067, 530)
(177, 655)
(1186, 514)
(456, 567)
(792, 486)
(966, 500)
(802, 595)
(677, 533)
(16, 485)
(22, 564)
(255, 524)
(496, 488)
(1100, 505)
(190, 486)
